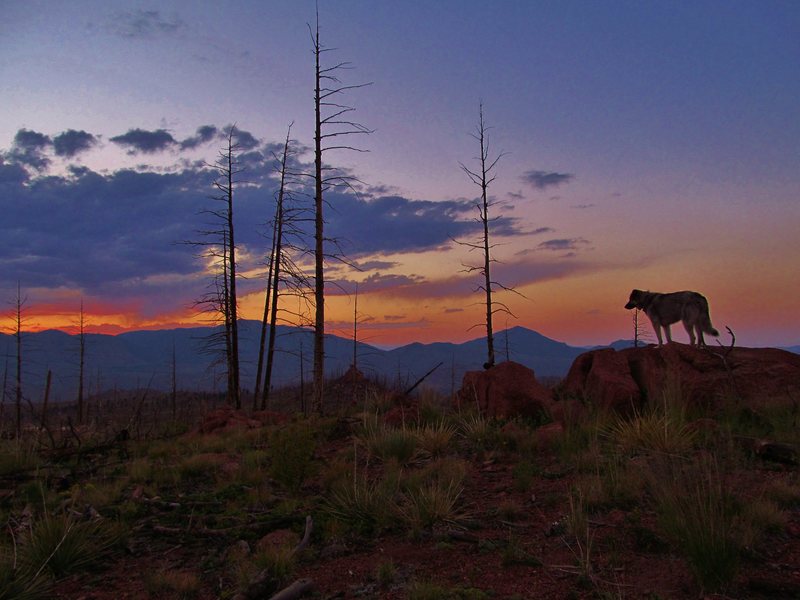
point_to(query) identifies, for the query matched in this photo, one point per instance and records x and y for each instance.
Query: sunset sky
(648, 145)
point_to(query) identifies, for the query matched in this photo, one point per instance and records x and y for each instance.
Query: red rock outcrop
(506, 390)
(622, 380)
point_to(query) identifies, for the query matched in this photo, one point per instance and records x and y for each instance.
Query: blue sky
(649, 145)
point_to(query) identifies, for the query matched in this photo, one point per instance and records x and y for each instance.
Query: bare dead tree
(640, 333)
(265, 318)
(279, 259)
(331, 122)
(81, 362)
(19, 304)
(174, 392)
(483, 177)
(219, 248)
(4, 393)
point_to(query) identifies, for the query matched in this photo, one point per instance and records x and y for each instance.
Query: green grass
(698, 513)
(61, 545)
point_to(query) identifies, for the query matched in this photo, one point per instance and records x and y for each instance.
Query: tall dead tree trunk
(232, 300)
(319, 225)
(280, 215)
(330, 122)
(3, 396)
(483, 177)
(262, 340)
(174, 394)
(18, 336)
(82, 364)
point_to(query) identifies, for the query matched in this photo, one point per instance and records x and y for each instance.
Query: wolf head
(636, 299)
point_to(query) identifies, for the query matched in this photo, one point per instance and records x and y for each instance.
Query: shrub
(19, 579)
(16, 456)
(388, 443)
(361, 506)
(479, 433)
(699, 515)
(62, 545)
(434, 438)
(654, 430)
(429, 504)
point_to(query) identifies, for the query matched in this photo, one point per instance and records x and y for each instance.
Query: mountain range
(144, 359)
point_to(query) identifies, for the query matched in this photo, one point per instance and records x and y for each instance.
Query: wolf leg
(657, 329)
(690, 330)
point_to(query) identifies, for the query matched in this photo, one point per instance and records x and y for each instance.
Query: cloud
(204, 134)
(71, 143)
(244, 140)
(375, 265)
(560, 245)
(29, 149)
(390, 224)
(12, 174)
(541, 230)
(148, 142)
(144, 24)
(545, 179)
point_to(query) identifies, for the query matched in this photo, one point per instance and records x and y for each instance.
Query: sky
(641, 145)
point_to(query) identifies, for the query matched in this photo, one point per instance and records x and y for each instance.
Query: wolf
(665, 309)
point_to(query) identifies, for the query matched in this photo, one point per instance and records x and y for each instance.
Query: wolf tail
(705, 323)
(705, 319)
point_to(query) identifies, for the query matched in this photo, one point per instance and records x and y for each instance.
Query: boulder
(625, 379)
(506, 390)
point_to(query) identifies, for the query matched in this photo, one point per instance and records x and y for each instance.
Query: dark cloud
(148, 142)
(244, 140)
(204, 134)
(375, 265)
(376, 282)
(582, 206)
(144, 24)
(560, 245)
(71, 143)
(12, 174)
(541, 230)
(29, 149)
(545, 179)
(390, 224)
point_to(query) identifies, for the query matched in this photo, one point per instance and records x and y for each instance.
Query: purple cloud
(71, 143)
(147, 142)
(545, 179)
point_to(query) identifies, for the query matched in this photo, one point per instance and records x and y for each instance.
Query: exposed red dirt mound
(506, 390)
(622, 380)
(227, 418)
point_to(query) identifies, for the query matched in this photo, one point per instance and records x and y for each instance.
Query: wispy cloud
(144, 24)
(563, 244)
